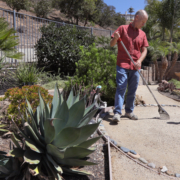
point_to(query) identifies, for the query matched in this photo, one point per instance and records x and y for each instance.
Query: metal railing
(27, 28)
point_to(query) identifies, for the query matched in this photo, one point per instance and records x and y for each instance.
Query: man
(136, 42)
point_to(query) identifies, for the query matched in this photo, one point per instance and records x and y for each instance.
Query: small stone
(152, 165)
(99, 119)
(174, 106)
(111, 111)
(137, 156)
(177, 175)
(132, 151)
(162, 104)
(169, 173)
(145, 105)
(124, 149)
(114, 142)
(164, 169)
(143, 160)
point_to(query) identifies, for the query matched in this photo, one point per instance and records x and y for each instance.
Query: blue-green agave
(55, 140)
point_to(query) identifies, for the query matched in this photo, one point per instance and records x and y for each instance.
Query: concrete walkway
(157, 141)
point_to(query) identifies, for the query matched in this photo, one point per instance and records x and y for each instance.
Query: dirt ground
(156, 140)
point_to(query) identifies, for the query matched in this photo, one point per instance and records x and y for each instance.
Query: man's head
(140, 19)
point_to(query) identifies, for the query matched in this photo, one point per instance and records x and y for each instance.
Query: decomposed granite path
(155, 140)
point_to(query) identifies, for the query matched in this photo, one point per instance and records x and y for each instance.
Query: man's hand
(138, 64)
(116, 35)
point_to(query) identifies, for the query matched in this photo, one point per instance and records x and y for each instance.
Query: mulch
(170, 95)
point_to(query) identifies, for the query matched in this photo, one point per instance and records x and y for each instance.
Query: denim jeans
(125, 77)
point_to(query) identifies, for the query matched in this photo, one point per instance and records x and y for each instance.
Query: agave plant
(55, 139)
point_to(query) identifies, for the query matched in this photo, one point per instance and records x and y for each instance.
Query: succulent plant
(55, 139)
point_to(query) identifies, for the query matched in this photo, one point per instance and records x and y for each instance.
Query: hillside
(55, 15)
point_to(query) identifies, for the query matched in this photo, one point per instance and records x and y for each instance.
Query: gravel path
(155, 140)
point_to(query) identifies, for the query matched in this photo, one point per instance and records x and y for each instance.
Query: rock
(152, 165)
(145, 105)
(99, 119)
(124, 149)
(137, 156)
(177, 175)
(143, 160)
(174, 106)
(114, 142)
(133, 152)
(164, 169)
(169, 173)
(111, 111)
(162, 104)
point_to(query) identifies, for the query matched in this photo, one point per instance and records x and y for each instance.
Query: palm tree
(174, 49)
(8, 42)
(158, 51)
(130, 10)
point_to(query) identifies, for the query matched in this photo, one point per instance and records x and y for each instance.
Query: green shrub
(42, 8)
(17, 97)
(27, 73)
(176, 83)
(59, 48)
(97, 66)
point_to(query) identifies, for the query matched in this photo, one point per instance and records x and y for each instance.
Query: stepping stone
(152, 165)
(169, 173)
(137, 156)
(126, 150)
(177, 175)
(164, 169)
(114, 142)
(143, 160)
(133, 152)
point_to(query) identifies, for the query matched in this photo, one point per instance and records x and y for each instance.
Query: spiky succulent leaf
(32, 157)
(77, 152)
(33, 146)
(67, 137)
(75, 162)
(34, 169)
(15, 140)
(88, 108)
(87, 118)
(62, 116)
(70, 99)
(76, 113)
(88, 143)
(55, 102)
(71, 171)
(49, 131)
(17, 152)
(54, 151)
(56, 166)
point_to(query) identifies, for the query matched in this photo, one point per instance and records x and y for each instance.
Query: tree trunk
(157, 69)
(77, 20)
(164, 65)
(174, 60)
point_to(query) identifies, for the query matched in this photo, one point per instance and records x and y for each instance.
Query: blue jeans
(124, 77)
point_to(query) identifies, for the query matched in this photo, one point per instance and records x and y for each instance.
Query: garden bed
(170, 95)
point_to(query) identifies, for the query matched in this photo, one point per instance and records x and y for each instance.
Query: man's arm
(140, 60)
(114, 39)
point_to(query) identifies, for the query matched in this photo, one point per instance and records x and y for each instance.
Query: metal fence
(27, 28)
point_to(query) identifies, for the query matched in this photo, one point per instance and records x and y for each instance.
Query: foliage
(8, 42)
(119, 19)
(130, 10)
(58, 48)
(175, 82)
(42, 8)
(27, 74)
(18, 4)
(166, 86)
(103, 42)
(54, 140)
(97, 66)
(18, 96)
(50, 85)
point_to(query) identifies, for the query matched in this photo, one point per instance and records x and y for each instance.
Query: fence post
(91, 32)
(14, 25)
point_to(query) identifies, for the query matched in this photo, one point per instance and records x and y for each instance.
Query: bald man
(126, 74)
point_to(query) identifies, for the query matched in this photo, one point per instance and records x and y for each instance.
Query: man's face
(140, 21)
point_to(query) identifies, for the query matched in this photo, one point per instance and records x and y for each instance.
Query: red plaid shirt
(134, 39)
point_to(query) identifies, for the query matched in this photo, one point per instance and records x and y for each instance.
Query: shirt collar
(136, 29)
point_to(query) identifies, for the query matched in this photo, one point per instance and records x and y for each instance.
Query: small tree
(7, 42)
(18, 4)
(130, 10)
(42, 8)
